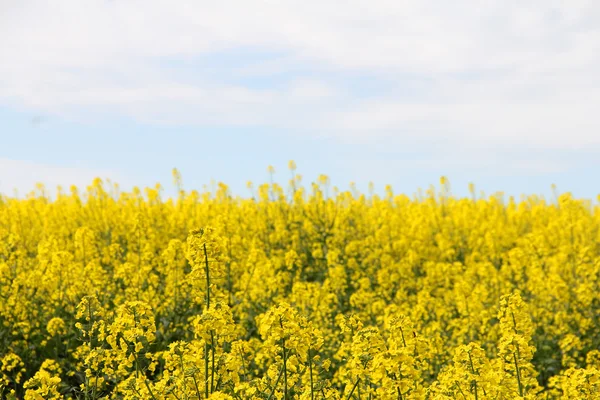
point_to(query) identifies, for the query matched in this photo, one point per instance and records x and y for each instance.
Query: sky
(500, 93)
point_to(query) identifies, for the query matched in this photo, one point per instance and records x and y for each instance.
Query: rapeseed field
(298, 292)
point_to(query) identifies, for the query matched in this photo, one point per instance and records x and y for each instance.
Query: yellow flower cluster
(301, 293)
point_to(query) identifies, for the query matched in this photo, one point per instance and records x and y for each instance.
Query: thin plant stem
(212, 367)
(206, 370)
(207, 276)
(276, 383)
(149, 390)
(285, 383)
(353, 389)
(518, 373)
(312, 388)
(206, 345)
(473, 372)
(193, 377)
(195, 385)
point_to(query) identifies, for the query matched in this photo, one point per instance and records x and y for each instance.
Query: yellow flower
(56, 326)
(300, 292)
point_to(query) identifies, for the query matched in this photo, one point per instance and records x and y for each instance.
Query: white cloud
(491, 71)
(23, 176)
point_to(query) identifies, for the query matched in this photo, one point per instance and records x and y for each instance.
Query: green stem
(312, 395)
(95, 388)
(473, 371)
(402, 334)
(276, 383)
(285, 383)
(461, 391)
(139, 268)
(398, 386)
(518, 373)
(195, 385)
(89, 340)
(212, 367)
(206, 391)
(149, 390)
(206, 370)
(353, 389)
(207, 277)
(86, 382)
(193, 378)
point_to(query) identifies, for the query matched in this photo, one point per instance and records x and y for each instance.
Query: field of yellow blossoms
(299, 292)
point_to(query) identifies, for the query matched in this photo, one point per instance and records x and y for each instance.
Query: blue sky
(503, 94)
